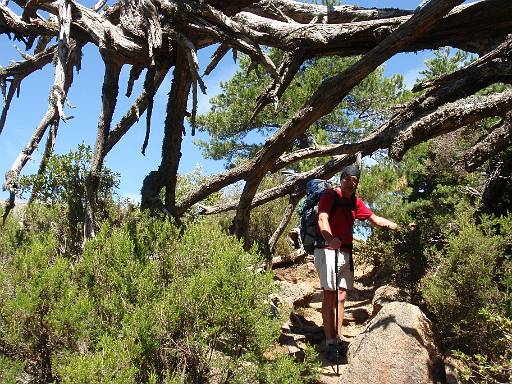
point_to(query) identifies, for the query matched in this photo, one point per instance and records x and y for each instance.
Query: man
(335, 223)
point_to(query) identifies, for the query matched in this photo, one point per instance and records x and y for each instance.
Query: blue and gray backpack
(309, 214)
(309, 235)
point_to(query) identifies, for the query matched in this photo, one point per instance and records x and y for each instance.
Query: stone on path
(294, 295)
(383, 295)
(396, 348)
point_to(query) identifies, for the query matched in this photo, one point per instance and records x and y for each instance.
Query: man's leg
(328, 305)
(342, 295)
(328, 312)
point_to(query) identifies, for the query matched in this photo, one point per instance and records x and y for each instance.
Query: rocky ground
(305, 324)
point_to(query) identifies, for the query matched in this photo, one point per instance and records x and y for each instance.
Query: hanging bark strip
(67, 57)
(143, 101)
(166, 175)
(110, 91)
(150, 91)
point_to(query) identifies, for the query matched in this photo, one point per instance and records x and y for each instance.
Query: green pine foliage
(234, 137)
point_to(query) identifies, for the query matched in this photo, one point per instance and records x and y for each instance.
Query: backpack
(309, 215)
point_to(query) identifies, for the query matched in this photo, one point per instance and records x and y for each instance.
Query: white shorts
(324, 264)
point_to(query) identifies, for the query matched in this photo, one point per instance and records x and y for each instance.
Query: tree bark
(166, 175)
(110, 91)
(498, 140)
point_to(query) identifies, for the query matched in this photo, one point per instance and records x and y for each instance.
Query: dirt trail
(305, 325)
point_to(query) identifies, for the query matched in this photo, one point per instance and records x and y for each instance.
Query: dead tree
(157, 35)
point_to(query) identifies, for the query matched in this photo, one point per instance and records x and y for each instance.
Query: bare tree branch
(153, 35)
(17, 72)
(166, 175)
(329, 94)
(110, 91)
(296, 185)
(489, 20)
(449, 117)
(67, 58)
(290, 209)
(499, 139)
(305, 12)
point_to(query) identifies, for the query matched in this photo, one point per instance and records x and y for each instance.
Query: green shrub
(61, 186)
(489, 369)
(10, 369)
(469, 275)
(144, 303)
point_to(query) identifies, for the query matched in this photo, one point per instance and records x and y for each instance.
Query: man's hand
(392, 225)
(335, 243)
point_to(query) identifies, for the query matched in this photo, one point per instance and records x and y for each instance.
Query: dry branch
(305, 12)
(296, 185)
(153, 35)
(329, 94)
(498, 140)
(17, 72)
(290, 209)
(67, 58)
(473, 27)
(110, 90)
(166, 175)
(448, 118)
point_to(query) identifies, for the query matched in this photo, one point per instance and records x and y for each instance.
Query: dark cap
(350, 170)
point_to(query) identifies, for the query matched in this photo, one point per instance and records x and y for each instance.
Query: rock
(383, 295)
(356, 315)
(296, 257)
(397, 347)
(452, 368)
(293, 295)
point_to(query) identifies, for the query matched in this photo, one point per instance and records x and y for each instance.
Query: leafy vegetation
(144, 304)
(144, 301)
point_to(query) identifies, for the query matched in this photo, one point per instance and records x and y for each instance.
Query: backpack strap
(337, 201)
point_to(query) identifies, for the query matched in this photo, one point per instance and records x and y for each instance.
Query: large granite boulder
(396, 348)
(384, 294)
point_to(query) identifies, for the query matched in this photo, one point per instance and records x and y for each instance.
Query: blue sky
(126, 158)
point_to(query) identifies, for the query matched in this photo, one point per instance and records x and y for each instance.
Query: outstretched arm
(382, 222)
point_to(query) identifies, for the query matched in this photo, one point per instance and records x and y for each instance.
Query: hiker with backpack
(338, 208)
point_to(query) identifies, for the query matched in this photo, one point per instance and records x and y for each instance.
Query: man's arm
(325, 230)
(382, 222)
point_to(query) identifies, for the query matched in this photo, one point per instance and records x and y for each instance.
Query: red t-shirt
(343, 217)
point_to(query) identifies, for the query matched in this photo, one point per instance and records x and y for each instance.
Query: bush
(469, 277)
(144, 304)
(61, 186)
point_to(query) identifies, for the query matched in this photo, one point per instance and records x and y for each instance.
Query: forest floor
(305, 324)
